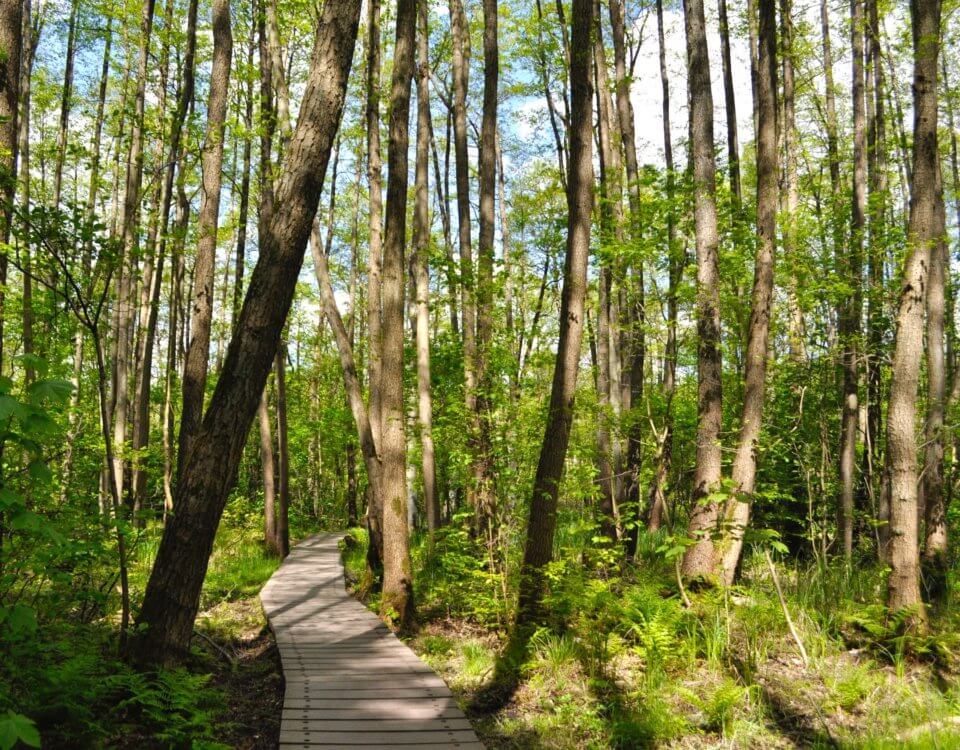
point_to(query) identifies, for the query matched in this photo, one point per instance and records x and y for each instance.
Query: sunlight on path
(349, 681)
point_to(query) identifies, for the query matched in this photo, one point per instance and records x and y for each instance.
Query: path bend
(350, 682)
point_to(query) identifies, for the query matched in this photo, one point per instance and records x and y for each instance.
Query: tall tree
(904, 581)
(397, 601)
(421, 264)
(538, 551)
(173, 590)
(851, 270)
(699, 558)
(744, 471)
(11, 22)
(375, 250)
(483, 469)
(198, 352)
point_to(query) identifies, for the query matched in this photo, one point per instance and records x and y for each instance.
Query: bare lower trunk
(269, 474)
(421, 239)
(283, 457)
(698, 562)
(197, 358)
(904, 581)
(543, 502)
(744, 473)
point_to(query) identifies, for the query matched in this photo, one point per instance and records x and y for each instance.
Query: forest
(624, 362)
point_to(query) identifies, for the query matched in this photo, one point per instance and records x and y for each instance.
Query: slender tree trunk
(397, 602)
(751, 417)
(125, 307)
(483, 468)
(196, 362)
(11, 22)
(459, 31)
(791, 189)
(283, 457)
(269, 473)
(935, 563)
(421, 240)
(698, 561)
(66, 96)
(904, 581)
(374, 292)
(538, 551)
(658, 498)
(850, 305)
(730, 101)
(25, 74)
(173, 590)
(244, 209)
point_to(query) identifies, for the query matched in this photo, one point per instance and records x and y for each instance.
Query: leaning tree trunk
(546, 487)
(904, 581)
(198, 352)
(698, 562)
(173, 590)
(737, 514)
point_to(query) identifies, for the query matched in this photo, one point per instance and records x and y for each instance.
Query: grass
(622, 664)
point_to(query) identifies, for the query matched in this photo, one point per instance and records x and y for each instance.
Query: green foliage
(16, 728)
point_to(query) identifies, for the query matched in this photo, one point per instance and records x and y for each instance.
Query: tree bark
(269, 473)
(374, 292)
(11, 21)
(127, 281)
(538, 551)
(483, 466)
(459, 31)
(66, 95)
(196, 362)
(698, 561)
(173, 590)
(744, 472)
(904, 580)
(283, 456)
(421, 241)
(850, 305)
(397, 602)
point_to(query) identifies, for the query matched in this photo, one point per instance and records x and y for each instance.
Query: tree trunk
(244, 210)
(173, 590)
(374, 292)
(538, 551)
(483, 467)
(730, 102)
(283, 457)
(744, 472)
(127, 281)
(66, 95)
(460, 40)
(658, 499)
(421, 241)
(698, 561)
(904, 581)
(850, 305)
(269, 473)
(397, 602)
(196, 363)
(11, 21)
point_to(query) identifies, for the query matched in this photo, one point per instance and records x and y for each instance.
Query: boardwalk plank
(350, 682)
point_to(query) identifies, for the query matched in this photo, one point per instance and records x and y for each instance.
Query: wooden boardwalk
(350, 682)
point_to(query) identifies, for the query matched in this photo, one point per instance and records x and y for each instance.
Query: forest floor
(626, 665)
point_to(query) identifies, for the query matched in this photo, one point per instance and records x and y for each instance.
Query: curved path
(349, 681)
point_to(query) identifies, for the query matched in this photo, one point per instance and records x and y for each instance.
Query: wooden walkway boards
(350, 683)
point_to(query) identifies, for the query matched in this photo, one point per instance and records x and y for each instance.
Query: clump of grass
(554, 651)
(478, 661)
(436, 645)
(238, 569)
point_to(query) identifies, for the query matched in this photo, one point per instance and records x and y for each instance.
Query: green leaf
(39, 471)
(9, 499)
(18, 620)
(8, 406)
(54, 391)
(17, 727)
(25, 520)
